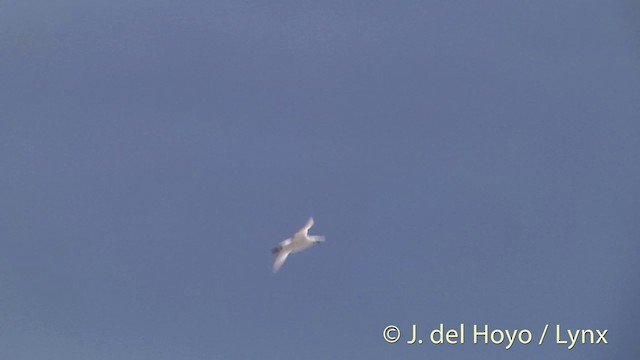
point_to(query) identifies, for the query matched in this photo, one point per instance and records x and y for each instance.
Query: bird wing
(303, 231)
(282, 256)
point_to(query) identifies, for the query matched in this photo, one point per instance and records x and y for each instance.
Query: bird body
(301, 240)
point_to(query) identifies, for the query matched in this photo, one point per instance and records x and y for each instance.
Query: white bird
(298, 242)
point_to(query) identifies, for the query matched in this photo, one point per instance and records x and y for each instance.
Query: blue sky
(472, 163)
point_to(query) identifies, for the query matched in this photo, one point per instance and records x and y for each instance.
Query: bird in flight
(299, 241)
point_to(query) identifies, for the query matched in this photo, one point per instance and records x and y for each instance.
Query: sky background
(468, 162)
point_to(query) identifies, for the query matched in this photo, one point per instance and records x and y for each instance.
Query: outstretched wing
(306, 227)
(282, 256)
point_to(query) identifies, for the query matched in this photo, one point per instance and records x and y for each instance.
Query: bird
(299, 241)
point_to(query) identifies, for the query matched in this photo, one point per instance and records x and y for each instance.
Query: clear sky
(469, 162)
